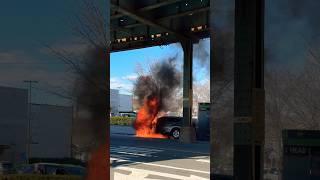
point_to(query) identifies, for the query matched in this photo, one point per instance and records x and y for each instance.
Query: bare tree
(292, 102)
(91, 85)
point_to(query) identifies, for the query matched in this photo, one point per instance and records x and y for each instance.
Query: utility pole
(30, 82)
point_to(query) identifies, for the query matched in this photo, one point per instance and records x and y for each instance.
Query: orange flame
(147, 119)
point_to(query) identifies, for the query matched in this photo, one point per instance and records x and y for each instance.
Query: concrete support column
(187, 131)
(249, 90)
(221, 87)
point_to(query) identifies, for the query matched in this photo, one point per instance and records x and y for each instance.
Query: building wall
(125, 102)
(114, 101)
(14, 123)
(51, 131)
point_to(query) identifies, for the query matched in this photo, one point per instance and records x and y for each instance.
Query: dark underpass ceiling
(144, 23)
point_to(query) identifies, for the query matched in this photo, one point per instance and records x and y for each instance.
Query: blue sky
(25, 27)
(124, 62)
(124, 65)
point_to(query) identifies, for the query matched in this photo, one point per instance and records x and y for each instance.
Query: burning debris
(154, 92)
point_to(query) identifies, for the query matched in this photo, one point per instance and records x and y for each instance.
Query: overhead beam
(137, 44)
(151, 23)
(181, 14)
(147, 8)
(124, 30)
(186, 13)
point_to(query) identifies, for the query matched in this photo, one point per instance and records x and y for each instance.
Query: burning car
(154, 93)
(169, 126)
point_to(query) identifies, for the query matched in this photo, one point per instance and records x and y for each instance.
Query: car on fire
(170, 126)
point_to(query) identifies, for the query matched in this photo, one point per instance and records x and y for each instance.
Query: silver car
(170, 126)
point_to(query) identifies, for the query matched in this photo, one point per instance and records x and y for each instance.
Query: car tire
(175, 133)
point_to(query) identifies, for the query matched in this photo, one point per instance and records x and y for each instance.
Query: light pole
(30, 82)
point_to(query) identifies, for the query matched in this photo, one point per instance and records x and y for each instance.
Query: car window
(178, 119)
(50, 169)
(26, 169)
(75, 170)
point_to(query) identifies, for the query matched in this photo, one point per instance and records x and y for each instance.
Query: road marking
(117, 159)
(166, 166)
(135, 154)
(134, 149)
(140, 174)
(171, 149)
(203, 160)
(141, 148)
(142, 152)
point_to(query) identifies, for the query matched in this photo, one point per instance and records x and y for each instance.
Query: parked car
(6, 168)
(128, 114)
(52, 168)
(171, 126)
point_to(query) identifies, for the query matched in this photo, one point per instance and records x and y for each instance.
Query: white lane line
(171, 149)
(134, 154)
(117, 159)
(142, 152)
(131, 150)
(165, 149)
(141, 174)
(169, 167)
(122, 156)
(203, 160)
(135, 149)
(141, 148)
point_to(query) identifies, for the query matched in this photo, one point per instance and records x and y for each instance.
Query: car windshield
(169, 120)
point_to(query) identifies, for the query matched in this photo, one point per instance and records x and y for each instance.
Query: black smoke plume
(161, 82)
(91, 94)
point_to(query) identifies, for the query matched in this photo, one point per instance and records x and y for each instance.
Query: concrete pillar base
(188, 135)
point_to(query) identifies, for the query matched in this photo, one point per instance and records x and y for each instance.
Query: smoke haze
(162, 82)
(291, 26)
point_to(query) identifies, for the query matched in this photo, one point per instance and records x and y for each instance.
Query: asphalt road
(135, 158)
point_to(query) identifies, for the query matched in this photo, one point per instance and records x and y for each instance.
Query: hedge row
(39, 177)
(122, 121)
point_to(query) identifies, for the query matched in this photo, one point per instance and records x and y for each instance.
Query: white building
(120, 102)
(125, 103)
(114, 101)
(51, 131)
(50, 128)
(13, 124)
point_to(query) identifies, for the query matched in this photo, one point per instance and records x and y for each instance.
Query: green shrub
(122, 121)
